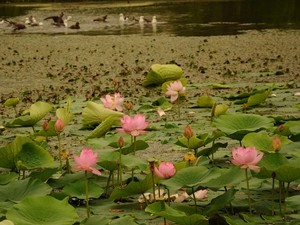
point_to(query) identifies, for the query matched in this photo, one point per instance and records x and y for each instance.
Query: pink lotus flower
(45, 125)
(86, 161)
(165, 170)
(276, 144)
(59, 126)
(135, 125)
(175, 89)
(113, 103)
(200, 194)
(246, 157)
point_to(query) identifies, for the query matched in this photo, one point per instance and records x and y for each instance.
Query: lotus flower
(276, 144)
(200, 194)
(246, 157)
(175, 89)
(135, 125)
(86, 161)
(165, 170)
(113, 103)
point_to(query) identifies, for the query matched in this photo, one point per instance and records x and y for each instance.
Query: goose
(64, 23)
(18, 26)
(103, 18)
(56, 19)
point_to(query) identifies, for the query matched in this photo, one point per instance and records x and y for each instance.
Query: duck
(56, 19)
(75, 26)
(103, 18)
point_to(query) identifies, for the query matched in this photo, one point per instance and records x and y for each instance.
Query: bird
(56, 19)
(35, 23)
(103, 18)
(64, 23)
(123, 18)
(147, 20)
(75, 26)
(135, 19)
(154, 19)
(27, 21)
(19, 26)
(141, 20)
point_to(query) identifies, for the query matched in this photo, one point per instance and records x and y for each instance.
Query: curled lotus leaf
(160, 73)
(205, 101)
(11, 102)
(95, 113)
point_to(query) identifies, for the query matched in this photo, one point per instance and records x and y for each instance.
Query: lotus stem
(107, 184)
(120, 168)
(59, 150)
(178, 105)
(168, 196)
(248, 191)
(134, 149)
(195, 201)
(153, 186)
(87, 194)
(286, 195)
(273, 184)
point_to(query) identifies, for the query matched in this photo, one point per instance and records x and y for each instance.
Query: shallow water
(174, 18)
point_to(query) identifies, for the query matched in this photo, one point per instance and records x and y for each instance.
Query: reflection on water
(173, 18)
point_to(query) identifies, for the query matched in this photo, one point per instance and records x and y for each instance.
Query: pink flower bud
(128, 105)
(276, 144)
(121, 142)
(45, 125)
(188, 132)
(59, 126)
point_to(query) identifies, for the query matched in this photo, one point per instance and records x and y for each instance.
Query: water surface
(198, 18)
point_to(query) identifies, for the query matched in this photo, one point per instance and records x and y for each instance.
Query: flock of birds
(60, 22)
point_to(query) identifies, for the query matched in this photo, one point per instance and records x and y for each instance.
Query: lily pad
(78, 189)
(159, 74)
(34, 211)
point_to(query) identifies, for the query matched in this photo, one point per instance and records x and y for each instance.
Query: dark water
(174, 18)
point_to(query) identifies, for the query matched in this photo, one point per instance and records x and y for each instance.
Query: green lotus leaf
(221, 109)
(220, 202)
(134, 188)
(287, 173)
(8, 154)
(37, 112)
(45, 174)
(193, 143)
(97, 220)
(241, 124)
(190, 177)
(108, 160)
(272, 162)
(33, 156)
(103, 127)
(258, 98)
(159, 74)
(179, 217)
(95, 113)
(20, 189)
(11, 102)
(221, 86)
(262, 141)
(6, 222)
(7, 177)
(78, 189)
(205, 101)
(44, 210)
(65, 115)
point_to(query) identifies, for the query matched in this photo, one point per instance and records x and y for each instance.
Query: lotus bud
(281, 127)
(121, 142)
(276, 144)
(152, 164)
(128, 105)
(188, 132)
(46, 125)
(59, 126)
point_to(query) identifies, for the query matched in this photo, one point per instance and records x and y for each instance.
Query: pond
(176, 18)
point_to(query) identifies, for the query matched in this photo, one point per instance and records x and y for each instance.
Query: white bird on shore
(35, 23)
(154, 19)
(27, 21)
(123, 18)
(141, 19)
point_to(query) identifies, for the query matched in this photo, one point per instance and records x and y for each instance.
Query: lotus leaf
(205, 101)
(159, 74)
(44, 210)
(37, 112)
(95, 113)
